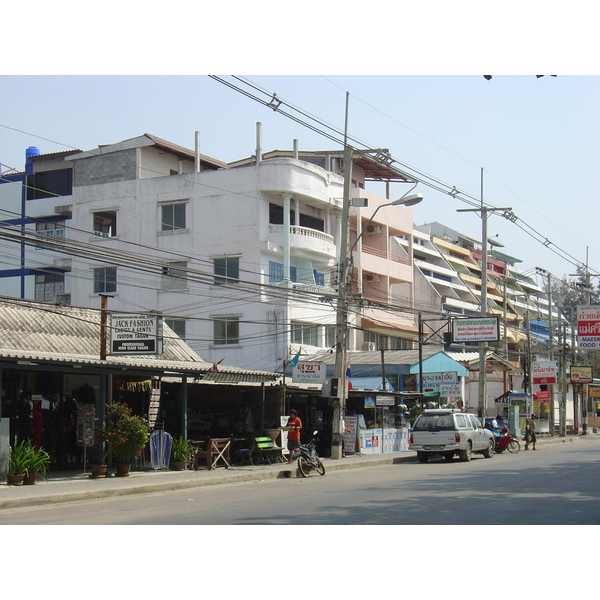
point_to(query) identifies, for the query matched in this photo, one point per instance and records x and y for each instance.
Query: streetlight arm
(365, 227)
(405, 200)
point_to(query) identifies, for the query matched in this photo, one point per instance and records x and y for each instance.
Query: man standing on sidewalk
(530, 432)
(293, 426)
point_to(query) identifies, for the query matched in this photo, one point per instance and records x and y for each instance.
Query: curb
(79, 489)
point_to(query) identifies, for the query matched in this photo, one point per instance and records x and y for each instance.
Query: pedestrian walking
(530, 437)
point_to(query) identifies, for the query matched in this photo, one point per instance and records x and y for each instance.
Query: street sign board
(433, 382)
(588, 327)
(309, 373)
(484, 329)
(544, 372)
(581, 375)
(135, 333)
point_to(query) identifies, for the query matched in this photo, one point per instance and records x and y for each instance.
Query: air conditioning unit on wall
(369, 346)
(371, 229)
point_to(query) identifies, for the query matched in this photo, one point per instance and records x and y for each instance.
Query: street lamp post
(341, 331)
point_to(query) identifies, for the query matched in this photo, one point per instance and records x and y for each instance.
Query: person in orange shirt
(295, 425)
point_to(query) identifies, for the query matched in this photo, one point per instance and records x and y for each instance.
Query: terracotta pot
(122, 469)
(15, 479)
(30, 479)
(98, 470)
(177, 466)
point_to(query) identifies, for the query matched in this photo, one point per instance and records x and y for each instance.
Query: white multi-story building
(240, 259)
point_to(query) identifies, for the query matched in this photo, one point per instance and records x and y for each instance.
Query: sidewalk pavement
(76, 486)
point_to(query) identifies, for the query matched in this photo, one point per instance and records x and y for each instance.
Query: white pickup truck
(449, 432)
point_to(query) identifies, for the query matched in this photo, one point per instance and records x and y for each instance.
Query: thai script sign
(309, 373)
(588, 326)
(434, 382)
(384, 400)
(544, 372)
(484, 329)
(350, 436)
(135, 334)
(581, 375)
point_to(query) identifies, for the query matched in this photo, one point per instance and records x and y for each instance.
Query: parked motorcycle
(308, 459)
(507, 442)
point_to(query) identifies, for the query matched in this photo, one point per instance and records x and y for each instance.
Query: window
(177, 325)
(105, 224)
(276, 272)
(50, 184)
(48, 285)
(305, 333)
(227, 270)
(174, 276)
(173, 216)
(330, 333)
(226, 330)
(105, 280)
(319, 278)
(51, 230)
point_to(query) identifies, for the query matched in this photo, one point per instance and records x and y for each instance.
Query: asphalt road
(559, 484)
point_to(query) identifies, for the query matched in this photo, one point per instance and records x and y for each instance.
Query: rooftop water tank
(31, 151)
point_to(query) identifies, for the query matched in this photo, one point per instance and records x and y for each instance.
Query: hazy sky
(537, 140)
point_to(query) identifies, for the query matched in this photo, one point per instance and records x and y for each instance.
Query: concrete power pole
(341, 331)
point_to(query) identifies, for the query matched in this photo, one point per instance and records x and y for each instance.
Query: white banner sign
(309, 373)
(433, 382)
(484, 329)
(544, 372)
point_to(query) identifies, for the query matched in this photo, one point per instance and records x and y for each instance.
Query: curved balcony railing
(303, 231)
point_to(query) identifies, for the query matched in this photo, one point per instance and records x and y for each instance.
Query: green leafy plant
(125, 434)
(38, 461)
(182, 450)
(18, 458)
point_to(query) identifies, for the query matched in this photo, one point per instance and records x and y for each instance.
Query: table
(214, 450)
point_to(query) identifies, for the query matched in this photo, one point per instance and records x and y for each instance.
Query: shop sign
(594, 391)
(369, 401)
(135, 334)
(542, 396)
(384, 400)
(350, 436)
(450, 390)
(309, 373)
(544, 372)
(86, 424)
(432, 382)
(588, 327)
(581, 375)
(483, 329)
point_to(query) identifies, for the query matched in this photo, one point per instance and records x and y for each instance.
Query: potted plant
(125, 436)
(181, 452)
(17, 462)
(38, 461)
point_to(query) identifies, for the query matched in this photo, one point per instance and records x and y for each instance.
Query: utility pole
(341, 331)
(484, 210)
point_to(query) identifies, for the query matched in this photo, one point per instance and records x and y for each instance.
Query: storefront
(51, 376)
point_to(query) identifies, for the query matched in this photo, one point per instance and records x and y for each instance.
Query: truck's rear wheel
(465, 455)
(422, 457)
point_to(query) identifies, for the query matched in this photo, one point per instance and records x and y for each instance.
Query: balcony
(305, 239)
(386, 255)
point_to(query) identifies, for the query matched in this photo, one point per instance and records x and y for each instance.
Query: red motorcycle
(506, 442)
